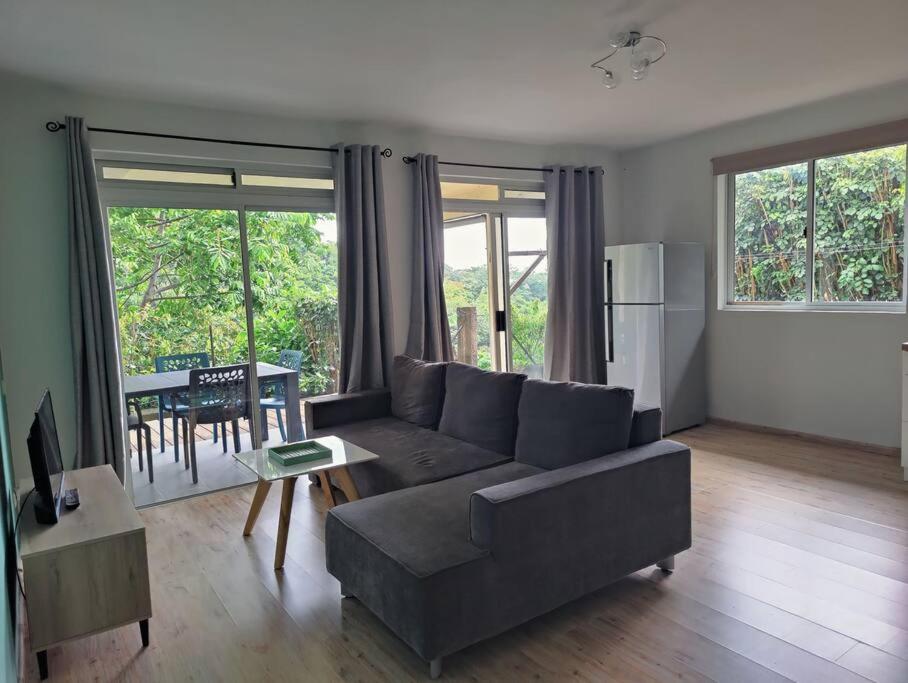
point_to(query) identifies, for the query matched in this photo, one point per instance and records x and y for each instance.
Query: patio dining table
(176, 381)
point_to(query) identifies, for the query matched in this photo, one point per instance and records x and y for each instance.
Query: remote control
(71, 501)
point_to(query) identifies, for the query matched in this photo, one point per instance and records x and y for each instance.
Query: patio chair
(136, 423)
(216, 396)
(180, 361)
(272, 394)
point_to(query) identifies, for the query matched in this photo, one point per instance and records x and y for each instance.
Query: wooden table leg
(326, 489)
(261, 493)
(345, 481)
(283, 526)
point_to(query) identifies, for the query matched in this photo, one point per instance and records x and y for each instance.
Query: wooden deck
(202, 432)
(216, 469)
(798, 571)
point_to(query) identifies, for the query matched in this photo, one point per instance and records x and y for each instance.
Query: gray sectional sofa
(496, 499)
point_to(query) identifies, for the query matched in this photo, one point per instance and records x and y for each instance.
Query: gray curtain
(575, 325)
(364, 295)
(100, 413)
(429, 336)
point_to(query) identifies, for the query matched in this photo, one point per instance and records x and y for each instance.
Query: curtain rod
(410, 160)
(54, 126)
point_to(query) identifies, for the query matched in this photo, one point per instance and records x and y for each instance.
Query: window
(298, 182)
(822, 234)
(524, 194)
(474, 191)
(157, 175)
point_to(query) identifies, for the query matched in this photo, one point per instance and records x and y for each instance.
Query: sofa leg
(345, 592)
(667, 565)
(435, 668)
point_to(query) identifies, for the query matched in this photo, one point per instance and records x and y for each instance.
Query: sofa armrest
(322, 412)
(627, 510)
(646, 426)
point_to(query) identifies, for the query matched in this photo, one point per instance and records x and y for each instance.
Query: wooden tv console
(88, 572)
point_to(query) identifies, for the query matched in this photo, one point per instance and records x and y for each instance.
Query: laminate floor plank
(798, 571)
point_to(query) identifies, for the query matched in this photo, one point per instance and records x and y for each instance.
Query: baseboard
(876, 449)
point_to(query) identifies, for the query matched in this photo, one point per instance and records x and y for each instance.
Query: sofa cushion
(426, 529)
(417, 391)
(408, 455)
(563, 423)
(481, 407)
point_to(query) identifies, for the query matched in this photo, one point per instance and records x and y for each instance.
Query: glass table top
(342, 453)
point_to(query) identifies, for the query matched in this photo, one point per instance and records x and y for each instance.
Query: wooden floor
(799, 570)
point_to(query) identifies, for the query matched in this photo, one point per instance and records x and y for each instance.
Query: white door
(634, 350)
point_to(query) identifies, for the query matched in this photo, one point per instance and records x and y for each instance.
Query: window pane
(466, 284)
(288, 181)
(524, 194)
(528, 288)
(293, 273)
(154, 175)
(474, 191)
(860, 226)
(770, 243)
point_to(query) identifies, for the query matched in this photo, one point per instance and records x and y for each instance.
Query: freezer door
(635, 358)
(633, 274)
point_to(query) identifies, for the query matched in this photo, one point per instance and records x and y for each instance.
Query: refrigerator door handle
(609, 321)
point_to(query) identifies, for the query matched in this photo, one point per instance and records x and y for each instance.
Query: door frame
(120, 197)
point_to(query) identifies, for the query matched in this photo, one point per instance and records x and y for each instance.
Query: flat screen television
(47, 465)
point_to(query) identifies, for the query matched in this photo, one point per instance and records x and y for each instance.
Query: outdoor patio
(217, 470)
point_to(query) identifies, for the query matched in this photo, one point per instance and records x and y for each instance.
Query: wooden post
(467, 343)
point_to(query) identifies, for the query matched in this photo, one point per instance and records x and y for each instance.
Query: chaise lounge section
(509, 498)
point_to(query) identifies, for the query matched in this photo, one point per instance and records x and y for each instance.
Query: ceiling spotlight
(644, 52)
(609, 80)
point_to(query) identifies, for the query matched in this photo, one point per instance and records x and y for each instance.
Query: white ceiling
(510, 69)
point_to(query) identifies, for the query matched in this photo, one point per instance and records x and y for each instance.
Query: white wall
(834, 374)
(34, 323)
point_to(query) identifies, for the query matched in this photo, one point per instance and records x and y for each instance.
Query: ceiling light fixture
(644, 52)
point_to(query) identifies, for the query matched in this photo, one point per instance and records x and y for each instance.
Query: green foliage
(469, 287)
(859, 230)
(179, 288)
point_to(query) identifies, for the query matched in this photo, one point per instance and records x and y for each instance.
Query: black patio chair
(216, 395)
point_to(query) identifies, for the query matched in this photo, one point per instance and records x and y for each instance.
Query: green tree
(858, 229)
(179, 288)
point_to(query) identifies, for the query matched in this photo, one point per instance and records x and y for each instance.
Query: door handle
(501, 322)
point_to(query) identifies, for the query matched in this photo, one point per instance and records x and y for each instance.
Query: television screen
(46, 461)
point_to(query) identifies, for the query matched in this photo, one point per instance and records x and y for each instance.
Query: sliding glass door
(495, 284)
(293, 279)
(191, 283)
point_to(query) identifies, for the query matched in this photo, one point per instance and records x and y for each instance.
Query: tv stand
(87, 573)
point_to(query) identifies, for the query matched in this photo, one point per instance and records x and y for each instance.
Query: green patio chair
(272, 394)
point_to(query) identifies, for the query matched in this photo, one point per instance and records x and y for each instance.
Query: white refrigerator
(655, 318)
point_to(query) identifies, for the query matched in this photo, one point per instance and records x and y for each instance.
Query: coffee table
(343, 453)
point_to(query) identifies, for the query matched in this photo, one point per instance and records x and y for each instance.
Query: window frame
(496, 213)
(725, 222)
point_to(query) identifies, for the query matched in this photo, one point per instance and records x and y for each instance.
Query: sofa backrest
(563, 423)
(417, 391)
(480, 407)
